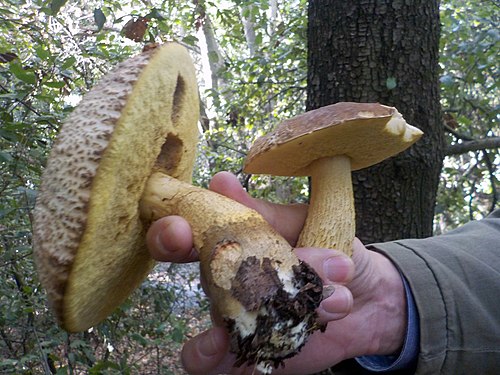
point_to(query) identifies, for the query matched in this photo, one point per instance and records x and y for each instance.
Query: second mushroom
(327, 144)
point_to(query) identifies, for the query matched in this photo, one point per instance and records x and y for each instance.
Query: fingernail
(328, 290)
(159, 241)
(336, 268)
(165, 236)
(208, 344)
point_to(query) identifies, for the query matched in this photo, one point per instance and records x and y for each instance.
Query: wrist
(378, 319)
(389, 318)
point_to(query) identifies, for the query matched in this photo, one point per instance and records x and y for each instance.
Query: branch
(226, 146)
(493, 180)
(458, 135)
(473, 145)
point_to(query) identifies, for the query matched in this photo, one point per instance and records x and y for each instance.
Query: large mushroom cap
(367, 133)
(88, 238)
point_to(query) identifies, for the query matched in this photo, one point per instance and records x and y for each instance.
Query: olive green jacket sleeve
(455, 281)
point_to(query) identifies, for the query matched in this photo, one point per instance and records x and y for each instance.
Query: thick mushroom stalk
(327, 144)
(330, 221)
(265, 295)
(123, 158)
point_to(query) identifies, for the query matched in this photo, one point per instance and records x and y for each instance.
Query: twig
(471, 195)
(458, 135)
(8, 343)
(216, 145)
(493, 182)
(473, 145)
(28, 106)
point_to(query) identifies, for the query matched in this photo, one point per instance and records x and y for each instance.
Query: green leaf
(98, 368)
(190, 40)
(139, 338)
(10, 96)
(8, 135)
(155, 14)
(5, 156)
(77, 344)
(258, 39)
(56, 5)
(23, 75)
(8, 362)
(99, 18)
(4, 213)
(27, 289)
(68, 63)
(55, 84)
(213, 57)
(391, 83)
(42, 53)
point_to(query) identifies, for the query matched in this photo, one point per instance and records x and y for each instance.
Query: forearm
(455, 279)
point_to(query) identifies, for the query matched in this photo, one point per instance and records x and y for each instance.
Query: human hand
(366, 314)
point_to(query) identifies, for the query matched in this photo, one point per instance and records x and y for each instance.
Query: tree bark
(384, 51)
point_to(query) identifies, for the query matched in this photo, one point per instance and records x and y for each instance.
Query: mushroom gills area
(279, 312)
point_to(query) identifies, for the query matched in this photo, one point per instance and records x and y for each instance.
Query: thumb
(207, 353)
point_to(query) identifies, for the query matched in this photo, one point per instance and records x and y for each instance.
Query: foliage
(51, 53)
(469, 90)
(262, 82)
(254, 75)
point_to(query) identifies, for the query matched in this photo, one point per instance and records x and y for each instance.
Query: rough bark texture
(384, 51)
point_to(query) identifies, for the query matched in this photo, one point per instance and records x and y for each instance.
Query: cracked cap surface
(88, 238)
(365, 132)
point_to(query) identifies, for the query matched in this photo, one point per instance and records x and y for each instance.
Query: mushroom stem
(207, 212)
(330, 221)
(265, 295)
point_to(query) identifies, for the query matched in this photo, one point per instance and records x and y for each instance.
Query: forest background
(251, 58)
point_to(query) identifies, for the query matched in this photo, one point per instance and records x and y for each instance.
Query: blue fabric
(409, 353)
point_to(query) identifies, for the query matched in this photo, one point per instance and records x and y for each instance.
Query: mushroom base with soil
(265, 295)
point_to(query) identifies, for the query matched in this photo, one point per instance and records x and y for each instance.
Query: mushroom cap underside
(365, 132)
(88, 237)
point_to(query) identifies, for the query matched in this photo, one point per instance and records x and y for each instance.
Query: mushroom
(124, 158)
(327, 144)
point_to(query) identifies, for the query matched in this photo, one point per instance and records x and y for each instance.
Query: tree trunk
(215, 58)
(384, 51)
(248, 21)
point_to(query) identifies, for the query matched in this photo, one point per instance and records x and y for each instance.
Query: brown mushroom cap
(88, 237)
(367, 133)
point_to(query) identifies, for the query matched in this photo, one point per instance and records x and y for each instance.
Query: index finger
(286, 219)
